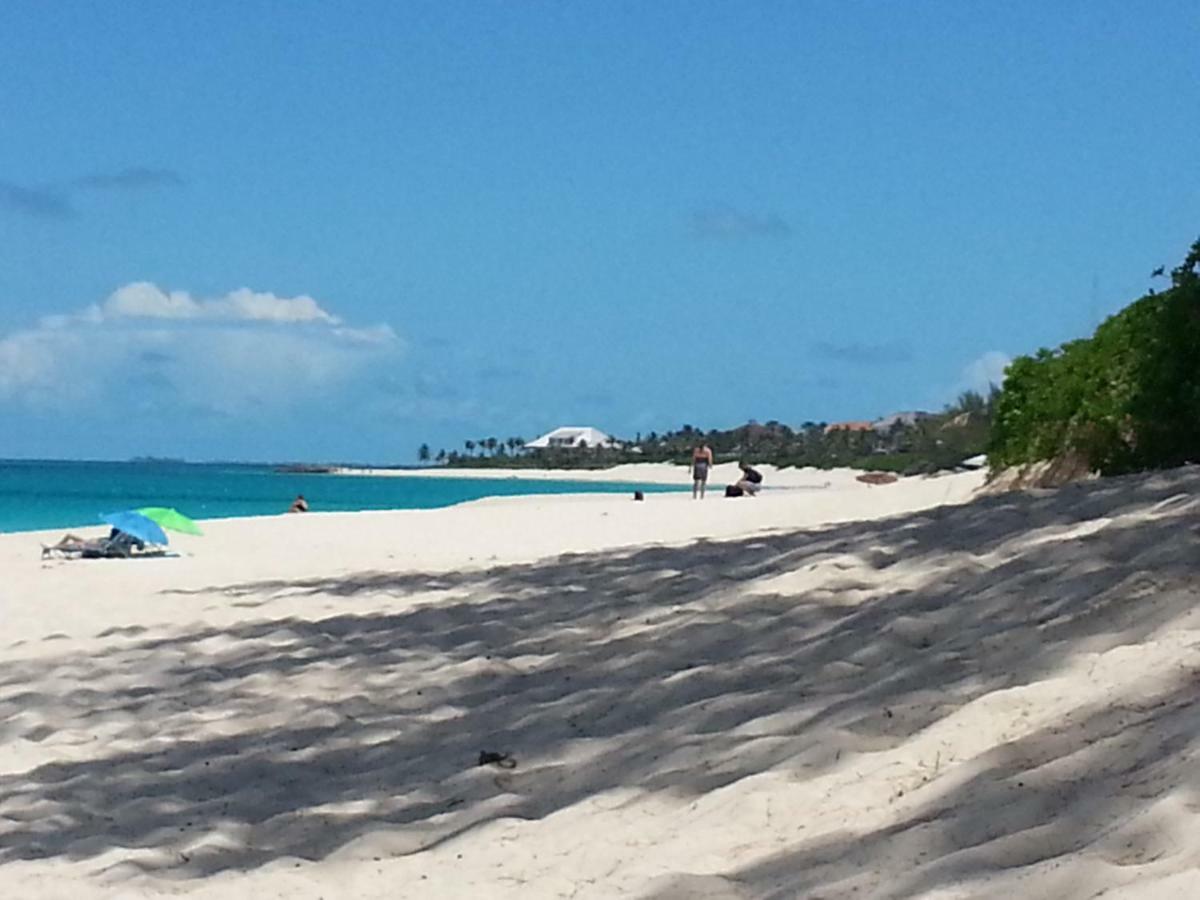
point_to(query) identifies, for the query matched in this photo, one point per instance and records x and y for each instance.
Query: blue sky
(315, 231)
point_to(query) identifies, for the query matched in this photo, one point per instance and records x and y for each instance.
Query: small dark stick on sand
(493, 758)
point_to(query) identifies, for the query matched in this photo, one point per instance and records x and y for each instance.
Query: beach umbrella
(170, 518)
(137, 526)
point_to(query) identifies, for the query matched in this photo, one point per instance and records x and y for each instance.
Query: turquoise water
(36, 494)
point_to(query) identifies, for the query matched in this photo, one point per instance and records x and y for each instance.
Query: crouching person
(751, 481)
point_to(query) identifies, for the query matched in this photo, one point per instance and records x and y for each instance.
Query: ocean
(44, 494)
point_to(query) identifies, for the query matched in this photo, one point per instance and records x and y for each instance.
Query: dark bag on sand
(732, 490)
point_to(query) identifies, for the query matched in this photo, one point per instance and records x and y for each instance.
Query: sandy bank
(481, 533)
(634, 473)
(856, 692)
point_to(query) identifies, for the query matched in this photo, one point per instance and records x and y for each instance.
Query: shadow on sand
(666, 669)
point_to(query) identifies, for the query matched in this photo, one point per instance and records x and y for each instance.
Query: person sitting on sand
(299, 504)
(702, 460)
(751, 480)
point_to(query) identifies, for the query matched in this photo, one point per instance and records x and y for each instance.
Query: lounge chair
(117, 545)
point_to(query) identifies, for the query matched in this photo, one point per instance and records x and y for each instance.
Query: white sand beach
(634, 473)
(897, 691)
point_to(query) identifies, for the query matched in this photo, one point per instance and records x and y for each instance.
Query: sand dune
(856, 693)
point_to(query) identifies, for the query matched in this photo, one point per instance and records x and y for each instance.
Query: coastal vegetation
(911, 443)
(1126, 399)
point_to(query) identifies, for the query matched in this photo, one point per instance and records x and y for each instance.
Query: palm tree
(423, 453)
(969, 402)
(470, 445)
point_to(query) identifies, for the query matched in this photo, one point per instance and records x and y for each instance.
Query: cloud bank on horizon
(144, 348)
(157, 359)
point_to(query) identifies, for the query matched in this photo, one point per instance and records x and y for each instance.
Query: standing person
(702, 460)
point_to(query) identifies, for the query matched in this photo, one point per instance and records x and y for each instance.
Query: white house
(570, 436)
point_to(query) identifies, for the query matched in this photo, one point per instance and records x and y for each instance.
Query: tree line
(928, 443)
(482, 448)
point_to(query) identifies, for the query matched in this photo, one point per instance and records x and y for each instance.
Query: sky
(333, 232)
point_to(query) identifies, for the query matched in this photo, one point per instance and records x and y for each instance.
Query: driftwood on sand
(877, 478)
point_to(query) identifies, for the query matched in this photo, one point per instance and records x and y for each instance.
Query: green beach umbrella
(171, 518)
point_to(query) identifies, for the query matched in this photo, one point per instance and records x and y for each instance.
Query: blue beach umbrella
(137, 526)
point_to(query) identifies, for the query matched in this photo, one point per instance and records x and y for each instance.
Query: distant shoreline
(632, 473)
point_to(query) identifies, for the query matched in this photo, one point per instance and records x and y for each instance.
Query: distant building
(907, 419)
(572, 437)
(849, 426)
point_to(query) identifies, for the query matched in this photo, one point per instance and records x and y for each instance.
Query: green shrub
(1126, 399)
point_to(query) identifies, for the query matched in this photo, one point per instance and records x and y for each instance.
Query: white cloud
(980, 374)
(241, 353)
(143, 300)
(29, 359)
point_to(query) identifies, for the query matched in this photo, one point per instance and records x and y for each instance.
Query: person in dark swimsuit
(702, 460)
(751, 480)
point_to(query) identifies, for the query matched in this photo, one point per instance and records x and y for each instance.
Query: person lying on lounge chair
(117, 544)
